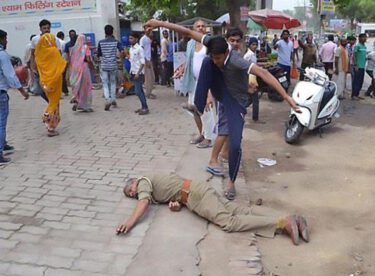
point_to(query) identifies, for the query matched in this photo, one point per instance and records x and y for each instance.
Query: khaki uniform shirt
(160, 188)
(309, 54)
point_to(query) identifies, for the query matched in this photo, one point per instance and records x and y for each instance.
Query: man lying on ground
(205, 201)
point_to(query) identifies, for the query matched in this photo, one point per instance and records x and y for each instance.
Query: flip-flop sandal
(230, 193)
(196, 140)
(215, 171)
(204, 145)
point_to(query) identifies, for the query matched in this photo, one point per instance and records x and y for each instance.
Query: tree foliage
(178, 10)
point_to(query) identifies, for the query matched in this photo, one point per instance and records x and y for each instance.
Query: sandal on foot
(204, 145)
(217, 171)
(230, 193)
(197, 140)
(52, 133)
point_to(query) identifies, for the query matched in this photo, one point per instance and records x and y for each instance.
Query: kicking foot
(217, 171)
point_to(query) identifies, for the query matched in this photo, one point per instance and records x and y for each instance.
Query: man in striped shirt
(107, 50)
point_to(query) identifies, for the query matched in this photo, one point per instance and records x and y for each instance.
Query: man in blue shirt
(284, 49)
(107, 51)
(8, 79)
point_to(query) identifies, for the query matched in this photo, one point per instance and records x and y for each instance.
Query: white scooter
(317, 98)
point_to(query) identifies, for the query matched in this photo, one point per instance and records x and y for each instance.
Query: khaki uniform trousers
(231, 217)
(149, 78)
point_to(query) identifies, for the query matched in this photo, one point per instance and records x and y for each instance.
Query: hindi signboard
(326, 7)
(47, 7)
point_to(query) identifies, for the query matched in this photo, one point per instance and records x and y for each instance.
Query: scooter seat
(329, 92)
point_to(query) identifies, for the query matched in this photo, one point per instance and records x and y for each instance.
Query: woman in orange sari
(51, 66)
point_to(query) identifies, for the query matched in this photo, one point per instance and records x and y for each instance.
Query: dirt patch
(329, 178)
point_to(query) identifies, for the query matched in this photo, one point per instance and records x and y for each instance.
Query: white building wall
(19, 28)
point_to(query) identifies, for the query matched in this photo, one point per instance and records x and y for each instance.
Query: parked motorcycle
(280, 75)
(317, 98)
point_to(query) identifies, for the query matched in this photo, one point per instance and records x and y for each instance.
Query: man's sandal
(230, 193)
(217, 171)
(197, 140)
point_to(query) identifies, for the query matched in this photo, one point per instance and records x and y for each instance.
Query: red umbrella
(274, 19)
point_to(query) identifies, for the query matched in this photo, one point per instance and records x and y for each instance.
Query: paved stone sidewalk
(61, 198)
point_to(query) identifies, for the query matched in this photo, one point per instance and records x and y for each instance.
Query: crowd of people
(219, 80)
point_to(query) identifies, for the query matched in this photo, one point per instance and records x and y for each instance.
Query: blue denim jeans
(255, 100)
(109, 85)
(286, 69)
(4, 111)
(359, 76)
(138, 89)
(211, 77)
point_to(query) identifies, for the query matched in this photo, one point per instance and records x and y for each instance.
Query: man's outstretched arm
(139, 211)
(268, 78)
(153, 23)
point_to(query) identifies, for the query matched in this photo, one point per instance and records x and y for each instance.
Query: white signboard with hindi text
(47, 7)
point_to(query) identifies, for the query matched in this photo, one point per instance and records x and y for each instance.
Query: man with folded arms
(206, 202)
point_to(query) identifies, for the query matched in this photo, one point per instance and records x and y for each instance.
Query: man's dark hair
(351, 38)
(60, 35)
(217, 45)
(362, 36)
(3, 34)
(72, 31)
(32, 36)
(44, 22)
(285, 31)
(234, 32)
(108, 30)
(330, 38)
(134, 34)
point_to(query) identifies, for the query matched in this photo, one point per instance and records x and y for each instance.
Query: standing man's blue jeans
(286, 69)
(359, 76)
(210, 77)
(138, 89)
(109, 85)
(4, 112)
(255, 100)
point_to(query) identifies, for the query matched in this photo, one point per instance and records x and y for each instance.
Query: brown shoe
(143, 112)
(303, 229)
(291, 229)
(107, 106)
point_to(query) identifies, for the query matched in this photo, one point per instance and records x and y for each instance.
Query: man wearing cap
(206, 202)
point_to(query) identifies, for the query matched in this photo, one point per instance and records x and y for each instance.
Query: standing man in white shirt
(137, 61)
(284, 49)
(145, 42)
(163, 56)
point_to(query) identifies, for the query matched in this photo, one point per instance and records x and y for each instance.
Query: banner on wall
(47, 7)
